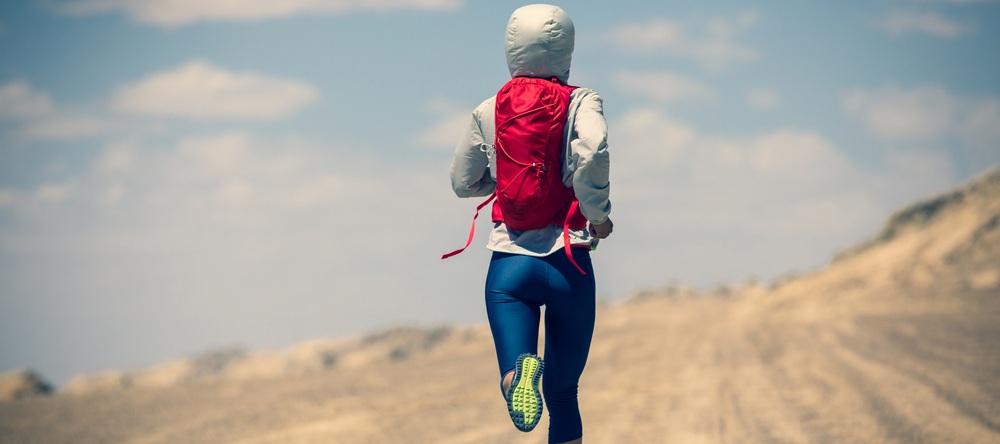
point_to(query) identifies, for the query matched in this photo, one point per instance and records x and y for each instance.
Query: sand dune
(897, 340)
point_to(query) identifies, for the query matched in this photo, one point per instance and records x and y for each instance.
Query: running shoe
(524, 400)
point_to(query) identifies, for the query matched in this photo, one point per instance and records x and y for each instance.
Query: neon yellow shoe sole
(524, 400)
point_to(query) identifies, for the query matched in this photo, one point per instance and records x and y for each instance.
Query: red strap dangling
(472, 232)
(566, 246)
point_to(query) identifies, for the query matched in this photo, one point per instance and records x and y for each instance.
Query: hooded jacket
(539, 43)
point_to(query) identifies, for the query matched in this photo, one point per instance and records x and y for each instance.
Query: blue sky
(177, 176)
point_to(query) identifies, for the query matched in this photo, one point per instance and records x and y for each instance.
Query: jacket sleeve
(589, 148)
(470, 168)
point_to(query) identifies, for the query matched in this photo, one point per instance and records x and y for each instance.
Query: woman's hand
(602, 231)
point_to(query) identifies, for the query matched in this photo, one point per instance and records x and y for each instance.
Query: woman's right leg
(512, 309)
(569, 328)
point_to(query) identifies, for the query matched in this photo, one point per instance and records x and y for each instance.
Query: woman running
(548, 265)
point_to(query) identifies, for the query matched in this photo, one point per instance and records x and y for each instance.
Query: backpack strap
(566, 246)
(472, 232)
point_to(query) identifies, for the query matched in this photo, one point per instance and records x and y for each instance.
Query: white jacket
(539, 43)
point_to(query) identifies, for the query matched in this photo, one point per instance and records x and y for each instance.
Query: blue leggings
(517, 286)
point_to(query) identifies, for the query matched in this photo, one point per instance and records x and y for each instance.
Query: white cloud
(902, 22)
(927, 114)
(928, 119)
(119, 156)
(663, 86)
(44, 195)
(54, 192)
(18, 100)
(40, 118)
(453, 119)
(981, 125)
(172, 13)
(652, 138)
(239, 218)
(7, 197)
(714, 43)
(979, 130)
(763, 99)
(200, 90)
(64, 126)
(196, 90)
(743, 205)
(897, 114)
(796, 154)
(782, 167)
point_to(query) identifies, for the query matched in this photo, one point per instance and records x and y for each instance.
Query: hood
(539, 42)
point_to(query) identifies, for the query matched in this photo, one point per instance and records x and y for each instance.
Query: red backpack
(530, 117)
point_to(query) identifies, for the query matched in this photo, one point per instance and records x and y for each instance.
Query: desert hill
(897, 340)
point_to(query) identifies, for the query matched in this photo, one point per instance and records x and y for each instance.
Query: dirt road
(738, 373)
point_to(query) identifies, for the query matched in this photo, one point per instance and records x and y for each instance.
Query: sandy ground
(908, 368)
